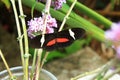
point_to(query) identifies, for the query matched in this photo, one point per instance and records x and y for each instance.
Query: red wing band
(57, 40)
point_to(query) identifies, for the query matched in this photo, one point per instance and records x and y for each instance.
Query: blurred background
(83, 55)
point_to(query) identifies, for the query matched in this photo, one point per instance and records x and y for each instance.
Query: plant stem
(33, 63)
(46, 13)
(45, 17)
(66, 17)
(32, 10)
(113, 73)
(112, 3)
(6, 65)
(19, 31)
(97, 71)
(44, 59)
(22, 17)
(37, 70)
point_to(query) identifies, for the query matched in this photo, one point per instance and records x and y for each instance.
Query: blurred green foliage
(7, 3)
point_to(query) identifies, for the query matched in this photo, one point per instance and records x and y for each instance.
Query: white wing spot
(42, 40)
(71, 34)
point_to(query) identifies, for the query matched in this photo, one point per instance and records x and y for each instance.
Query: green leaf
(31, 51)
(91, 13)
(77, 45)
(55, 54)
(7, 3)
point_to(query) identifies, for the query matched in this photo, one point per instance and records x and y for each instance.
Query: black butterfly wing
(50, 42)
(64, 39)
(79, 32)
(36, 41)
(58, 40)
(67, 38)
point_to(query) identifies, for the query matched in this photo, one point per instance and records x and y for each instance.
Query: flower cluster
(113, 35)
(58, 3)
(36, 26)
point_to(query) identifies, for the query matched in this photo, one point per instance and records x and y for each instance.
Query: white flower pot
(18, 72)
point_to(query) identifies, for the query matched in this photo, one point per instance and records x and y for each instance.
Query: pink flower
(118, 52)
(51, 22)
(36, 26)
(114, 33)
(58, 3)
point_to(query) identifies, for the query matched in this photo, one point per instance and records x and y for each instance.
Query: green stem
(33, 63)
(22, 17)
(12, 77)
(6, 65)
(46, 13)
(37, 70)
(44, 59)
(113, 73)
(66, 17)
(96, 71)
(32, 10)
(19, 31)
(85, 10)
(112, 3)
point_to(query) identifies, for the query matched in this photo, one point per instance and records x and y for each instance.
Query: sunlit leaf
(7, 3)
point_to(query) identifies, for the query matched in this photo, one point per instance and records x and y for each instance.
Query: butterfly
(60, 39)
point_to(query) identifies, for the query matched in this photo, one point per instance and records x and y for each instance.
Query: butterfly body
(60, 39)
